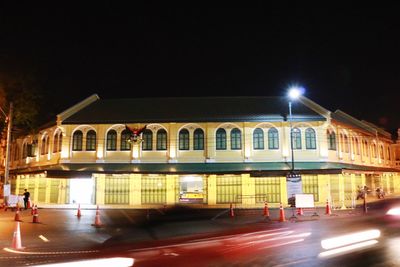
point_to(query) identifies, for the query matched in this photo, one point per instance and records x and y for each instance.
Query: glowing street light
(294, 93)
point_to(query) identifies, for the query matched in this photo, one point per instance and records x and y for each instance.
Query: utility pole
(9, 127)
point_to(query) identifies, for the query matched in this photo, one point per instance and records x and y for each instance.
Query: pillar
(212, 189)
(248, 190)
(100, 180)
(135, 189)
(324, 188)
(341, 191)
(284, 196)
(171, 188)
(36, 190)
(48, 190)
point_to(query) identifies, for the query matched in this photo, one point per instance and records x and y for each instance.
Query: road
(184, 238)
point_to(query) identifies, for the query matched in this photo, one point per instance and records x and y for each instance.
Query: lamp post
(293, 180)
(294, 93)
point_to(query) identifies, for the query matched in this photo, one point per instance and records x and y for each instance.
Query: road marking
(44, 238)
(49, 253)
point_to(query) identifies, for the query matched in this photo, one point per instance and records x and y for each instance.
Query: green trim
(254, 168)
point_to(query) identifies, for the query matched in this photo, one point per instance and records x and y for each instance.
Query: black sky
(347, 57)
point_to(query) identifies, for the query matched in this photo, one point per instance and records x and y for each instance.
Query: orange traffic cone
(35, 218)
(231, 212)
(33, 209)
(328, 208)
(266, 210)
(97, 222)
(17, 218)
(78, 214)
(16, 242)
(300, 211)
(281, 214)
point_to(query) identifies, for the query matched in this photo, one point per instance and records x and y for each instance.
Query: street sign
(294, 186)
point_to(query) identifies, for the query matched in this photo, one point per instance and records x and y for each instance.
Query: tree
(23, 91)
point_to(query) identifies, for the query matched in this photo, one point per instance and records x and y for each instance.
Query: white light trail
(347, 248)
(345, 240)
(115, 262)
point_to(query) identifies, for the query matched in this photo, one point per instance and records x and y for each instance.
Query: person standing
(26, 198)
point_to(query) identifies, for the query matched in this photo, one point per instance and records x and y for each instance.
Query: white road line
(50, 252)
(44, 238)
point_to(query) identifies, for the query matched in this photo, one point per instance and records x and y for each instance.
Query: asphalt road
(185, 237)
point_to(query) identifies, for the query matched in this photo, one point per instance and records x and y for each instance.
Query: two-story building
(206, 150)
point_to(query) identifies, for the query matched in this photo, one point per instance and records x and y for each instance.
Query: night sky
(347, 57)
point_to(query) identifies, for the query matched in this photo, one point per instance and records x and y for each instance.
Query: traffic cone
(17, 218)
(281, 214)
(231, 212)
(16, 242)
(328, 208)
(33, 210)
(35, 218)
(300, 211)
(78, 214)
(97, 222)
(266, 210)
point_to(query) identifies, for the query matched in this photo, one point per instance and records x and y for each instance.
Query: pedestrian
(26, 198)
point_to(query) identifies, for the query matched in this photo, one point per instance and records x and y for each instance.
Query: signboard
(7, 190)
(304, 200)
(294, 186)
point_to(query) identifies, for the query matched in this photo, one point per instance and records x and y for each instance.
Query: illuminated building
(206, 150)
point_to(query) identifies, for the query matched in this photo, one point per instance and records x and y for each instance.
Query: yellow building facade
(209, 152)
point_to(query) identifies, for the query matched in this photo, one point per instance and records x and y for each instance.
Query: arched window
(310, 139)
(236, 139)
(55, 143)
(44, 148)
(258, 139)
(47, 144)
(60, 137)
(220, 139)
(374, 151)
(366, 148)
(331, 140)
(161, 139)
(24, 151)
(296, 138)
(112, 140)
(183, 139)
(198, 139)
(125, 143)
(147, 143)
(381, 152)
(345, 144)
(91, 140)
(388, 153)
(273, 139)
(77, 141)
(16, 152)
(356, 146)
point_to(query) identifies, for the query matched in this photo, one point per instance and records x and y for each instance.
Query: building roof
(82, 170)
(191, 109)
(345, 118)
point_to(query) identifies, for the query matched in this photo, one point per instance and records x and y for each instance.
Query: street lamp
(294, 93)
(293, 180)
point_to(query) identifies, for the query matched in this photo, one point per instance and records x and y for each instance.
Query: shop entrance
(191, 189)
(81, 191)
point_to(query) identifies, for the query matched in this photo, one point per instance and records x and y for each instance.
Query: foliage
(23, 91)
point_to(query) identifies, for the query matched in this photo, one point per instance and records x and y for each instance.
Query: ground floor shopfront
(211, 190)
